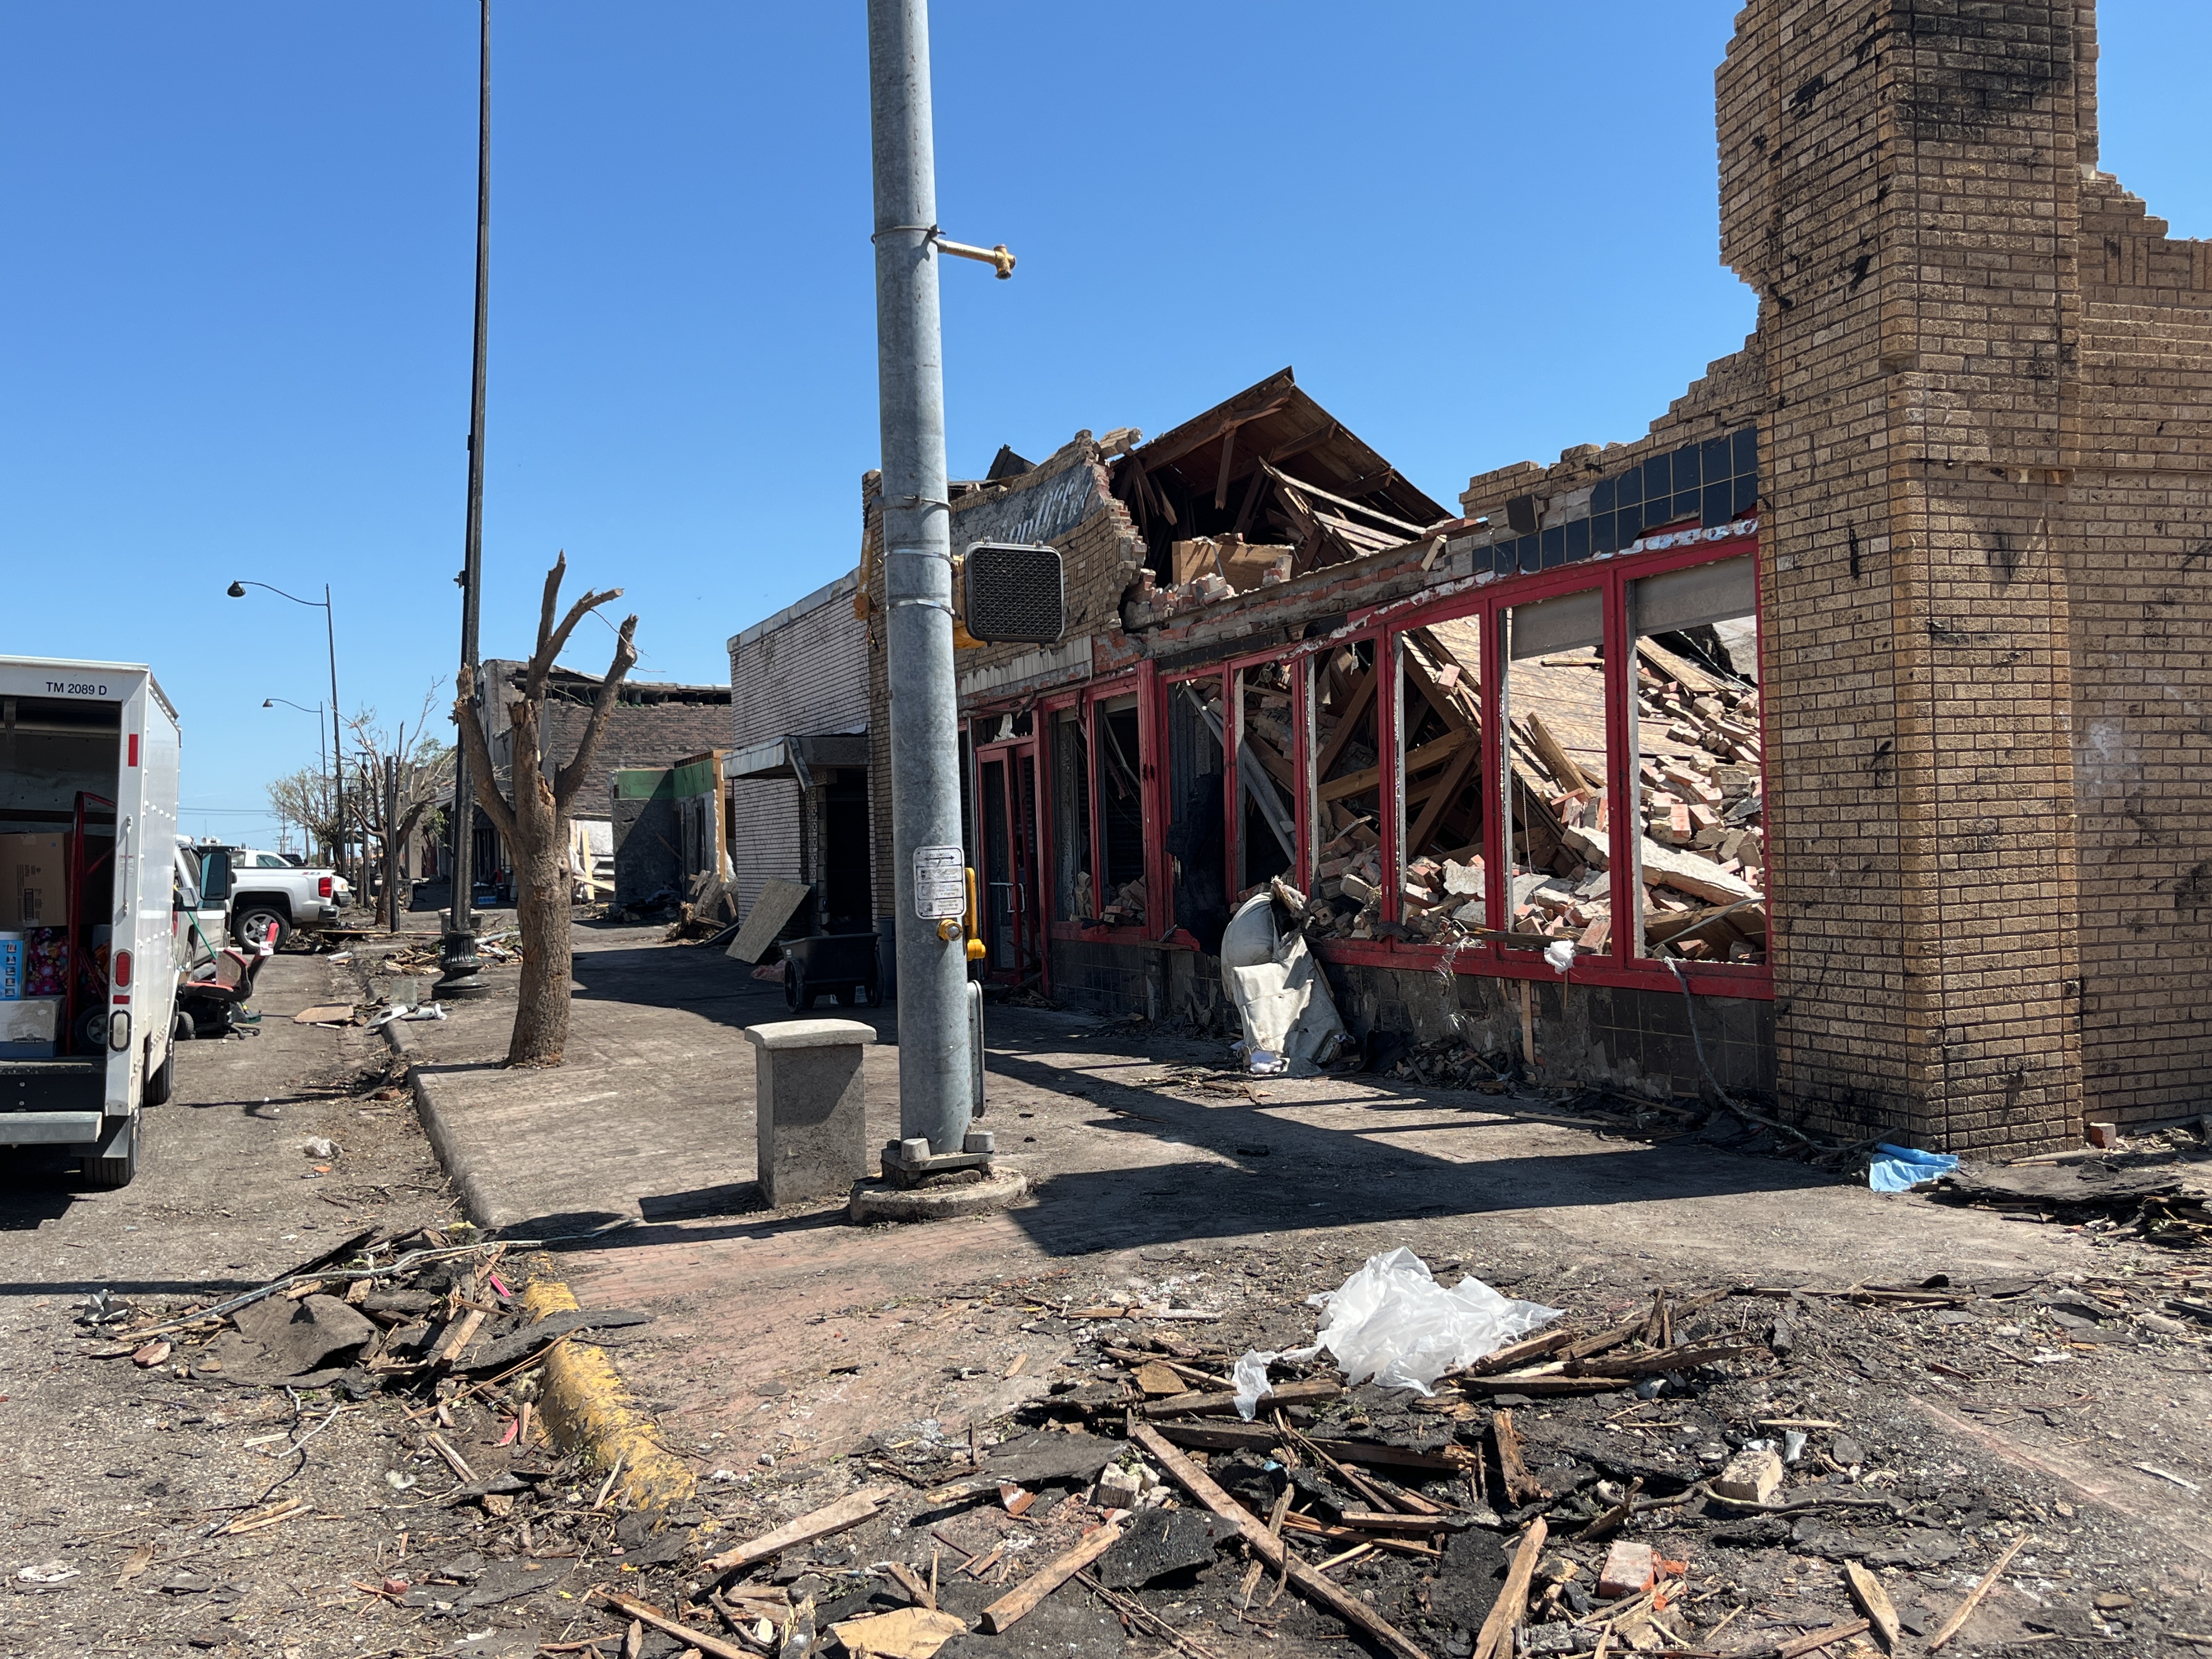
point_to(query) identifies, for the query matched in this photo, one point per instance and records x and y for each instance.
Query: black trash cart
(848, 964)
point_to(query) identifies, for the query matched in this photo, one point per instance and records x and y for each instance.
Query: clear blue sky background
(234, 310)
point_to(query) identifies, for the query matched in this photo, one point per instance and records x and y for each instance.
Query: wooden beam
(1440, 801)
(1429, 754)
(1348, 504)
(1362, 693)
(1221, 478)
(1333, 1598)
(1170, 446)
(1252, 493)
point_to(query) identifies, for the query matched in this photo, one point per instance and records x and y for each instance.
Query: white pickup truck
(269, 891)
(94, 907)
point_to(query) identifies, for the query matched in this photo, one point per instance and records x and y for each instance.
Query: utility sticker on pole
(940, 884)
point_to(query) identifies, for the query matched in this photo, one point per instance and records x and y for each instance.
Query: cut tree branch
(472, 739)
(570, 778)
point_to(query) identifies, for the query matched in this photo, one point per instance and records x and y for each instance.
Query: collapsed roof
(1270, 464)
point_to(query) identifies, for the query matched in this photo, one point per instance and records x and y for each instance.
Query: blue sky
(234, 315)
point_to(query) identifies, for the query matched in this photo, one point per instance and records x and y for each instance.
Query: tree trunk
(535, 821)
(541, 907)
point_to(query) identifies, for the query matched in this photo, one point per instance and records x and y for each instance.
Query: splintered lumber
(1272, 1550)
(846, 1511)
(1259, 1436)
(1813, 1642)
(1495, 1640)
(1392, 1521)
(1024, 1597)
(1521, 1487)
(1553, 753)
(1874, 1601)
(1664, 1360)
(1951, 1626)
(1552, 1383)
(1519, 1353)
(646, 1613)
(1212, 1405)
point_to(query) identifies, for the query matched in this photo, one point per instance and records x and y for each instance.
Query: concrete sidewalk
(650, 1118)
(1133, 1146)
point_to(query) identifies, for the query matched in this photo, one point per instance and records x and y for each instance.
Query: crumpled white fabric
(1393, 1323)
(1280, 996)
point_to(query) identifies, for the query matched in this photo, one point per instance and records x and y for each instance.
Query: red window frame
(1617, 965)
(1161, 899)
(1138, 681)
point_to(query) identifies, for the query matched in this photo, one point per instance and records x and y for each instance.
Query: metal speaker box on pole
(1017, 594)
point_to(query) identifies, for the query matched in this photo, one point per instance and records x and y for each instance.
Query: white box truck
(94, 907)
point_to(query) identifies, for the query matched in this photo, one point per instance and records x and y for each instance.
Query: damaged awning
(797, 757)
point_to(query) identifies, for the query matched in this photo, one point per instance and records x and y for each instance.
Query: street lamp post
(237, 591)
(321, 761)
(460, 969)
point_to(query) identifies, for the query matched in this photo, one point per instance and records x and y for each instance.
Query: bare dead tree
(401, 775)
(535, 820)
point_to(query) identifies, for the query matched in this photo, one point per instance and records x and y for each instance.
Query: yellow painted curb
(587, 1408)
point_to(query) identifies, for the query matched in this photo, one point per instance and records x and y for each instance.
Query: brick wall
(1101, 556)
(1984, 622)
(1983, 381)
(802, 671)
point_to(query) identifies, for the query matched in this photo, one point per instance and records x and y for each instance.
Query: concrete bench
(812, 1110)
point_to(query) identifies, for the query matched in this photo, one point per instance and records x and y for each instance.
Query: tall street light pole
(935, 1062)
(460, 965)
(270, 703)
(237, 591)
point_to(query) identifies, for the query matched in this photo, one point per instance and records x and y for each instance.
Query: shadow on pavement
(1255, 1170)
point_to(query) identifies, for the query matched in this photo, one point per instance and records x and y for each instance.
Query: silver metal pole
(459, 962)
(338, 745)
(934, 1071)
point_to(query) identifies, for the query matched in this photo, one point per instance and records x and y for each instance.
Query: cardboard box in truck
(32, 878)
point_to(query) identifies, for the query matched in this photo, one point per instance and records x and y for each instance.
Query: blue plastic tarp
(1900, 1168)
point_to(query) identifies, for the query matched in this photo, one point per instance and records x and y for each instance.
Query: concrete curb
(401, 1042)
(587, 1408)
(585, 1403)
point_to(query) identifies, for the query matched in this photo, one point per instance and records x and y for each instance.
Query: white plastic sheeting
(1277, 986)
(1393, 1323)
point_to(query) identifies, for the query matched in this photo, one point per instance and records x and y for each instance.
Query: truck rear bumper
(50, 1128)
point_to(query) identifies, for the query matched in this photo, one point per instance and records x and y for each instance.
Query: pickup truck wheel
(117, 1163)
(249, 927)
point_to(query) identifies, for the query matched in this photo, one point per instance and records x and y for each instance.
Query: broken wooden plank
(1874, 1601)
(1259, 1436)
(1952, 1625)
(1518, 1353)
(1521, 1487)
(1272, 1550)
(457, 1336)
(1215, 1405)
(1001, 1614)
(1662, 1360)
(646, 1613)
(1392, 1521)
(1813, 1642)
(1495, 1640)
(848, 1511)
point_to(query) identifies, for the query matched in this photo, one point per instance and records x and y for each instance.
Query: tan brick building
(1838, 743)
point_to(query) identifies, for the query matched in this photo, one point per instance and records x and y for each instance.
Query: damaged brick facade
(1986, 583)
(1958, 873)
